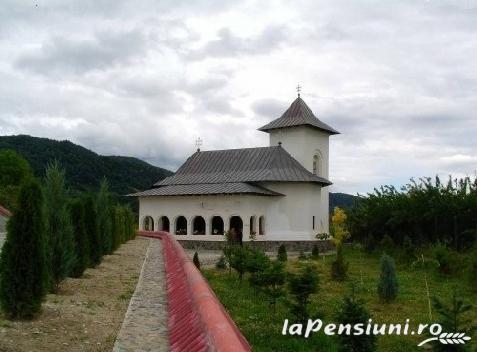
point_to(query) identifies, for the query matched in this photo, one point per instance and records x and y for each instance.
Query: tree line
(53, 235)
(425, 212)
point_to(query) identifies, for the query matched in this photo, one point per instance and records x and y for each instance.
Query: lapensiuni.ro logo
(371, 328)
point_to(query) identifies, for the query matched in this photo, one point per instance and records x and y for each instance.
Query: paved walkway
(145, 324)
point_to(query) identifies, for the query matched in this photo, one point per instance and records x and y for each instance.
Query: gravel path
(145, 325)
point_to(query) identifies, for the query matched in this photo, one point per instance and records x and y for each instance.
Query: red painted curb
(197, 320)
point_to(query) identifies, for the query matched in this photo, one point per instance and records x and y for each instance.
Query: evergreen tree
(196, 260)
(238, 259)
(81, 238)
(104, 216)
(282, 253)
(301, 286)
(59, 230)
(221, 263)
(14, 169)
(257, 260)
(387, 244)
(91, 226)
(388, 283)
(339, 268)
(23, 266)
(453, 317)
(270, 281)
(119, 226)
(353, 311)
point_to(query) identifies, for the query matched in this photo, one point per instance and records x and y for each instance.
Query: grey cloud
(104, 50)
(269, 108)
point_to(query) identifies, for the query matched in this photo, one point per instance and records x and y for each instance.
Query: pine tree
(282, 253)
(270, 281)
(388, 283)
(353, 311)
(91, 226)
(301, 286)
(453, 317)
(119, 226)
(196, 260)
(104, 215)
(23, 265)
(339, 268)
(81, 238)
(59, 230)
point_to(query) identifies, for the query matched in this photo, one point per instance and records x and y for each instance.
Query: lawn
(262, 326)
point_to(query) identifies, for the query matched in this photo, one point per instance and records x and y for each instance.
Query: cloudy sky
(146, 78)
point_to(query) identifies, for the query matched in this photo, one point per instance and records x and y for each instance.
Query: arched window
(198, 226)
(164, 223)
(148, 223)
(236, 229)
(261, 225)
(181, 226)
(217, 227)
(252, 225)
(317, 164)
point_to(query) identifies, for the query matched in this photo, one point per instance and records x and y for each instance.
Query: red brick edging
(197, 320)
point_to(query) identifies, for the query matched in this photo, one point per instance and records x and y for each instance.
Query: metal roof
(5, 212)
(298, 114)
(241, 165)
(207, 188)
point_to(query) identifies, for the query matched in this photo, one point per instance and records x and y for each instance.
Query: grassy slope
(262, 327)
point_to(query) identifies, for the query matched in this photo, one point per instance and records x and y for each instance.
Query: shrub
(91, 225)
(353, 311)
(59, 230)
(196, 260)
(221, 263)
(339, 228)
(302, 256)
(339, 268)
(270, 281)
(282, 253)
(387, 244)
(387, 284)
(453, 317)
(81, 238)
(104, 218)
(23, 264)
(408, 249)
(315, 252)
(443, 256)
(301, 286)
(238, 259)
(256, 261)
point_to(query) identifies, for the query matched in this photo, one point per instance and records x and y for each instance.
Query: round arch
(181, 225)
(198, 225)
(163, 223)
(261, 225)
(148, 223)
(217, 225)
(317, 167)
(236, 228)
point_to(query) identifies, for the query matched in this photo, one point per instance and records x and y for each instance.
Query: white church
(274, 194)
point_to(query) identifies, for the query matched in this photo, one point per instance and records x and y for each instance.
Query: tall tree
(14, 169)
(59, 230)
(81, 238)
(105, 216)
(91, 226)
(23, 267)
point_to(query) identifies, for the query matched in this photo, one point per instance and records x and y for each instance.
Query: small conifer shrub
(388, 283)
(282, 253)
(339, 268)
(315, 252)
(196, 260)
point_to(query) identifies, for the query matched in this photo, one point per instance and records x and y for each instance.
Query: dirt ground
(87, 313)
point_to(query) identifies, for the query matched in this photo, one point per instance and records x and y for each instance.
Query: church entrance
(236, 229)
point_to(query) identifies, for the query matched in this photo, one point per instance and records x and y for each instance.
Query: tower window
(316, 160)
(313, 222)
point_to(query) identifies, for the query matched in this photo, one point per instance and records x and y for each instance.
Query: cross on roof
(298, 89)
(198, 143)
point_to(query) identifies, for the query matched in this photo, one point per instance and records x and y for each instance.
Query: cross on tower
(298, 89)
(198, 143)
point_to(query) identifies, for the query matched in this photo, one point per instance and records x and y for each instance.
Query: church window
(198, 226)
(313, 222)
(217, 227)
(181, 226)
(148, 223)
(315, 164)
(261, 225)
(164, 223)
(252, 225)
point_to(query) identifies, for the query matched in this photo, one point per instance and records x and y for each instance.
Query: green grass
(262, 326)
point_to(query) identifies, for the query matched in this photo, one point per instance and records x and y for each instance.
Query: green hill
(342, 200)
(84, 168)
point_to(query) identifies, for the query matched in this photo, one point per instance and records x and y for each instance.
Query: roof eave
(268, 129)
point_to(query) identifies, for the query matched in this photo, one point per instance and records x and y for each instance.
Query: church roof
(4, 212)
(298, 114)
(241, 165)
(208, 188)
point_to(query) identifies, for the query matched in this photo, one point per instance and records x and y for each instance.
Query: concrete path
(145, 325)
